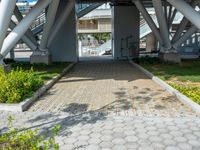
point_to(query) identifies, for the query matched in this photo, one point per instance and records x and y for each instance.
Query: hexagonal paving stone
(144, 142)
(195, 143)
(158, 146)
(132, 145)
(131, 138)
(185, 146)
(85, 132)
(172, 148)
(155, 139)
(70, 140)
(180, 139)
(107, 132)
(106, 138)
(106, 145)
(119, 141)
(93, 147)
(81, 144)
(143, 136)
(83, 138)
(95, 135)
(190, 136)
(169, 142)
(94, 141)
(166, 136)
(146, 148)
(119, 147)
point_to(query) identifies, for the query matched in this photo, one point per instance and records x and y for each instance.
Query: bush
(17, 139)
(17, 85)
(147, 60)
(192, 92)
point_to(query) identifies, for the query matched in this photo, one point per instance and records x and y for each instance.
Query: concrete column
(23, 26)
(7, 8)
(150, 42)
(149, 20)
(64, 46)
(162, 23)
(186, 36)
(12, 54)
(60, 21)
(125, 29)
(51, 14)
(190, 13)
(19, 17)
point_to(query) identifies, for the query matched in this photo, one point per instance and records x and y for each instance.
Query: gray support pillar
(12, 54)
(149, 20)
(190, 13)
(51, 14)
(151, 42)
(24, 38)
(7, 8)
(19, 17)
(11, 40)
(61, 20)
(162, 23)
(187, 35)
(64, 47)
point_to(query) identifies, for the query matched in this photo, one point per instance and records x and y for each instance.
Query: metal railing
(81, 7)
(39, 21)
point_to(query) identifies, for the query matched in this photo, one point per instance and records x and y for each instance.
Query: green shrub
(192, 92)
(147, 60)
(17, 139)
(17, 85)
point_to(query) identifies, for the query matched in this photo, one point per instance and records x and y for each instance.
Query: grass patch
(24, 79)
(184, 77)
(43, 71)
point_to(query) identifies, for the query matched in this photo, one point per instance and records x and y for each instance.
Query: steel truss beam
(149, 20)
(19, 17)
(17, 33)
(182, 25)
(7, 8)
(24, 38)
(188, 11)
(186, 36)
(162, 23)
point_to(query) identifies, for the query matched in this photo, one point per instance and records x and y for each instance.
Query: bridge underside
(58, 40)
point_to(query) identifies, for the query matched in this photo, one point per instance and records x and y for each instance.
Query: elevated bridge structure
(59, 31)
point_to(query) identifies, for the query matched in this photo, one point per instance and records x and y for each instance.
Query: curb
(184, 99)
(24, 105)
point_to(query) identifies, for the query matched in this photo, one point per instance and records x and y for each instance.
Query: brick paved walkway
(111, 106)
(113, 87)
